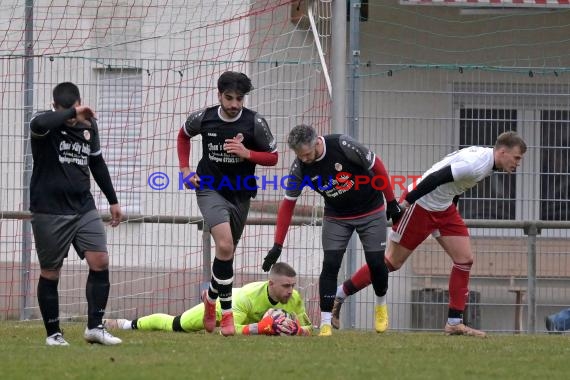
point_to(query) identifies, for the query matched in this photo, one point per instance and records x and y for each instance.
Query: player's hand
(194, 180)
(116, 215)
(271, 257)
(235, 146)
(288, 326)
(266, 325)
(304, 331)
(83, 114)
(394, 211)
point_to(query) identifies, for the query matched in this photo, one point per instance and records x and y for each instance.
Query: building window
(119, 110)
(554, 164)
(495, 196)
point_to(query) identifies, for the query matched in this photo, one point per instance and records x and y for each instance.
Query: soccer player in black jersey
(353, 182)
(234, 140)
(66, 148)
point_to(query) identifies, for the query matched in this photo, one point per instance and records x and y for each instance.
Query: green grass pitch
(352, 355)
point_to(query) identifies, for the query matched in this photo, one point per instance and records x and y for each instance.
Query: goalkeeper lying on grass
(256, 309)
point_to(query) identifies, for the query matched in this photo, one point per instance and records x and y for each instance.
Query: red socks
(361, 279)
(459, 285)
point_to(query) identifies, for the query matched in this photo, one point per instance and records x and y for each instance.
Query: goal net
(144, 67)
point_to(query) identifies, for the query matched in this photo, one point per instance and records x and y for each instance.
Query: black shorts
(216, 210)
(54, 235)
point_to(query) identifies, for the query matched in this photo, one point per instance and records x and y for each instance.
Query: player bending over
(333, 165)
(430, 210)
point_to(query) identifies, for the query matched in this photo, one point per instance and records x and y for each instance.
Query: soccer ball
(283, 322)
(277, 314)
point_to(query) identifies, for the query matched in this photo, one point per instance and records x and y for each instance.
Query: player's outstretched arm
(284, 216)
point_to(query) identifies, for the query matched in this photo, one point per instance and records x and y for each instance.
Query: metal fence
(420, 83)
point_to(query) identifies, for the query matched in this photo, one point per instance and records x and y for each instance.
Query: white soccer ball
(277, 313)
(283, 322)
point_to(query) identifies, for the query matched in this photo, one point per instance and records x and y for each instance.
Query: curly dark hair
(234, 81)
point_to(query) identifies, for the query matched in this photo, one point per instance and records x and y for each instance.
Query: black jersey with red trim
(224, 172)
(334, 175)
(60, 182)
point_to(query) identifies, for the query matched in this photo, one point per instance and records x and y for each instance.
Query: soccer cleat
(227, 327)
(209, 313)
(381, 318)
(326, 330)
(335, 321)
(100, 335)
(56, 340)
(461, 329)
(122, 324)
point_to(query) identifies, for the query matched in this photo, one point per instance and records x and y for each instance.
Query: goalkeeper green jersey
(252, 301)
(249, 303)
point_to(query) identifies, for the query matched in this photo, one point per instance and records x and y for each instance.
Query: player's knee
(225, 249)
(394, 259)
(375, 260)
(176, 325)
(392, 265)
(463, 259)
(463, 265)
(332, 261)
(50, 274)
(97, 261)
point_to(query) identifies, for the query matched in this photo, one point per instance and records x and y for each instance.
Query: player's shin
(97, 294)
(378, 272)
(328, 278)
(359, 280)
(458, 290)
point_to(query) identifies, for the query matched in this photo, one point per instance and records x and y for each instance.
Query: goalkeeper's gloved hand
(288, 326)
(266, 326)
(271, 257)
(305, 331)
(394, 211)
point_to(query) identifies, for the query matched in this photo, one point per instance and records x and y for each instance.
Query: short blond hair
(510, 139)
(282, 269)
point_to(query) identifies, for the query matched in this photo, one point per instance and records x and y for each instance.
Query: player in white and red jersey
(431, 210)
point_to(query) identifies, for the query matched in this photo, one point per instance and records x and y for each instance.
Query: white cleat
(100, 335)
(56, 340)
